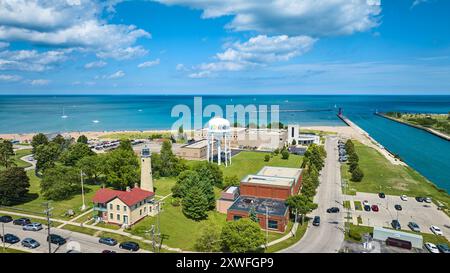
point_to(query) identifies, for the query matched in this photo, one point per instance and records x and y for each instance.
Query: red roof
(130, 198)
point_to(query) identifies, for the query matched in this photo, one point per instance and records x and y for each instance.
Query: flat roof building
(194, 151)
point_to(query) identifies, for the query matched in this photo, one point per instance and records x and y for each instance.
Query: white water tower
(219, 132)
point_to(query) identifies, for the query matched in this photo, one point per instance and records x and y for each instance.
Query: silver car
(33, 227)
(30, 243)
(414, 227)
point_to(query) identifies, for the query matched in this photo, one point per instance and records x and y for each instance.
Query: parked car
(414, 227)
(56, 239)
(333, 210)
(10, 238)
(30, 243)
(427, 200)
(316, 221)
(443, 248)
(431, 247)
(367, 208)
(22, 221)
(366, 203)
(398, 207)
(108, 241)
(375, 208)
(396, 224)
(108, 251)
(436, 230)
(420, 199)
(5, 219)
(33, 227)
(131, 246)
(404, 197)
(381, 195)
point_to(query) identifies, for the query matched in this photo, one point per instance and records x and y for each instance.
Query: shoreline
(429, 130)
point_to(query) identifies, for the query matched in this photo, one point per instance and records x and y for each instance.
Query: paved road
(329, 236)
(87, 243)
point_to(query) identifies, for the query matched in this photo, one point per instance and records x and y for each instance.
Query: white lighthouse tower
(146, 170)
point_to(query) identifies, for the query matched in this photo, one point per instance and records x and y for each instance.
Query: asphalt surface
(81, 242)
(329, 236)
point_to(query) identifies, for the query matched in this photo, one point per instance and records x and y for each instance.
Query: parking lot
(424, 214)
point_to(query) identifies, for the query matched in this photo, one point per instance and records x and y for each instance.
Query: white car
(404, 197)
(436, 230)
(432, 247)
(366, 203)
(427, 200)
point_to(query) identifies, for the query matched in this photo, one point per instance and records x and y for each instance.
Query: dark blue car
(10, 238)
(131, 246)
(108, 241)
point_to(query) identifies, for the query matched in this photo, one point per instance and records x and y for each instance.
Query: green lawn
(79, 229)
(34, 201)
(17, 156)
(246, 163)
(163, 185)
(357, 230)
(289, 242)
(346, 204)
(358, 205)
(381, 175)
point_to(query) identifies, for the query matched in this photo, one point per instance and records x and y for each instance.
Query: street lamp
(83, 207)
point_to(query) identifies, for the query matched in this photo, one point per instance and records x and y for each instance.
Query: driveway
(329, 236)
(422, 213)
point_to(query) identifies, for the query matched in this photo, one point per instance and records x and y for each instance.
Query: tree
(37, 140)
(300, 204)
(14, 184)
(353, 166)
(353, 158)
(185, 180)
(93, 166)
(46, 155)
(267, 158)
(6, 153)
(75, 152)
(285, 154)
(211, 172)
(357, 175)
(195, 202)
(232, 180)
(59, 139)
(294, 142)
(82, 139)
(209, 240)
(167, 164)
(252, 215)
(242, 236)
(276, 151)
(122, 168)
(60, 182)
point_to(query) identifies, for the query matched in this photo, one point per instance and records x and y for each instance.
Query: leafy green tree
(284, 154)
(242, 236)
(122, 168)
(59, 139)
(266, 158)
(209, 240)
(6, 153)
(294, 142)
(46, 155)
(74, 153)
(353, 158)
(357, 175)
(167, 164)
(185, 180)
(125, 144)
(93, 166)
(300, 204)
(37, 140)
(210, 172)
(232, 180)
(195, 202)
(60, 183)
(353, 166)
(14, 184)
(82, 139)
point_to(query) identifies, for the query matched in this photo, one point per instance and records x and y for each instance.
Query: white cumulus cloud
(117, 75)
(9, 78)
(96, 64)
(39, 82)
(148, 64)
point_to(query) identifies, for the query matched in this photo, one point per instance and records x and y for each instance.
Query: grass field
(34, 201)
(163, 185)
(246, 163)
(381, 175)
(17, 156)
(289, 242)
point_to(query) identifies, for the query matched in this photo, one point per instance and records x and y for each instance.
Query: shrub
(357, 175)
(285, 154)
(266, 158)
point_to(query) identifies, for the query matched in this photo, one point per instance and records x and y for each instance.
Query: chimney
(136, 185)
(128, 189)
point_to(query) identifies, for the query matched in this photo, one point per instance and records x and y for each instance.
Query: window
(124, 208)
(140, 212)
(110, 206)
(292, 131)
(145, 209)
(118, 207)
(273, 224)
(118, 217)
(236, 217)
(111, 216)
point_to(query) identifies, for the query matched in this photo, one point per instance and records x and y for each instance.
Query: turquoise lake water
(424, 152)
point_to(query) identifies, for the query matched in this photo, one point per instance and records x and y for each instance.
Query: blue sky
(216, 47)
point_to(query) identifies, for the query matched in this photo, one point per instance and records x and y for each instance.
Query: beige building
(194, 151)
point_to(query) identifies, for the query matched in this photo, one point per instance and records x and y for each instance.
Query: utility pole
(83, 207)
(47, 212)
(3, 237)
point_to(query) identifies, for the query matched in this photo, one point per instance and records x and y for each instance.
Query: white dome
(217, 124)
